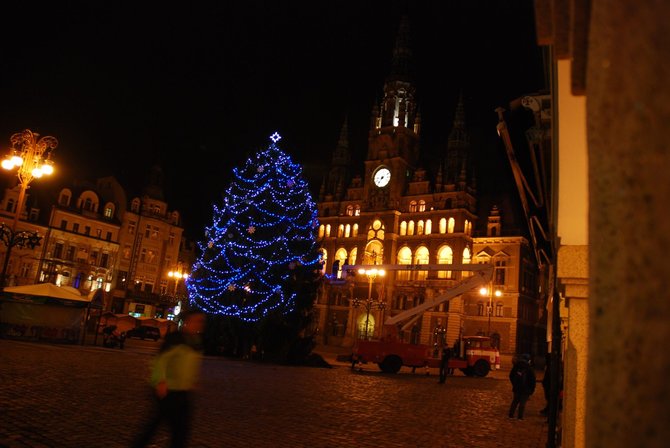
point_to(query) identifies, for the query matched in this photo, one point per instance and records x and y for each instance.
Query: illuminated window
(443, 225)
(499, 309)
(429, 226)
(324, 259)
(403, 228)
(327, 229)
(404, 257)
(410, 228)
(352, 255)
(350, 210)
(466, 227)
(422, 205)
(340, 231)
(451, 225)
(467, 259)
(445, 256)
(347, 231)
(421, 256)
(419, 228)
(355, 230)
(357, 211)
(341, 256)
(412, 206)
(374, 253)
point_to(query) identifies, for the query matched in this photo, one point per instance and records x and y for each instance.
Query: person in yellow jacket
(174, 374)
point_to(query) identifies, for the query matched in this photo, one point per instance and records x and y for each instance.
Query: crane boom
(480, 277)
(482, 274)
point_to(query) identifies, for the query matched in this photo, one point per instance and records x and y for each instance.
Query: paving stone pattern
(65, 396)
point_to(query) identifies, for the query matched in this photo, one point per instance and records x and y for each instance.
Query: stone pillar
(572, 273)
(628, 108)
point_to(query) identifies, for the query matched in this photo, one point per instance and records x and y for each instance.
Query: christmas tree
(261, 239)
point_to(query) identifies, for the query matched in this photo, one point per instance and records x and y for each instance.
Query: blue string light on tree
(264, 229)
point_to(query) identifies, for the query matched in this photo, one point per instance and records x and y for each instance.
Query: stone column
(628, 91)
(573, 274)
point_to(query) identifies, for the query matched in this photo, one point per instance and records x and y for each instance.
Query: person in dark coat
(523, 381)
(444, 363)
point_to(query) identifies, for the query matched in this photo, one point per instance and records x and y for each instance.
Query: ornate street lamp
(369, 303)
(490, 293)
(177, 275)
(31, 156)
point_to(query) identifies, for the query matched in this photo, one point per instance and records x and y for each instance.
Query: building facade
(397, 213)
(95, 237)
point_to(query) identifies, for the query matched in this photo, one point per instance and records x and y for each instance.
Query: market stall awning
(48, 290)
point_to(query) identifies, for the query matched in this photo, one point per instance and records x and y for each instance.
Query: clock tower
(393, 143)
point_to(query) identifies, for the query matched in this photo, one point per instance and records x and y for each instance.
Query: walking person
(523, 381)
(174, 374)
(444, 363)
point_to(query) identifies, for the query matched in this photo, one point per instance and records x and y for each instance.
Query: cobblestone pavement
(65, 396)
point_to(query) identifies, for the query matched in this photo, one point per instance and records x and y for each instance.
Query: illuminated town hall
(394, 212)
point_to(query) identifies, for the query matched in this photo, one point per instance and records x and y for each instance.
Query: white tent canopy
(49, 290)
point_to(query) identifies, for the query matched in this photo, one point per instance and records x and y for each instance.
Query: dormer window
(64, 198)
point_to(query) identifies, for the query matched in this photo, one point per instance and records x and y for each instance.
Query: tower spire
(402, 55)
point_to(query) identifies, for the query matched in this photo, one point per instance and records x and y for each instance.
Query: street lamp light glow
(8, 164)
(490, 293)
(47, 169)
(16, 160)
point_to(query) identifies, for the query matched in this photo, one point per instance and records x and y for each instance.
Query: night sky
(197, 88)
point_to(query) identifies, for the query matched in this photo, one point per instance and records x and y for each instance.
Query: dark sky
(198, 87)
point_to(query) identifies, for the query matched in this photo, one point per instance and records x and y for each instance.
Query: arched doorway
(360, 326)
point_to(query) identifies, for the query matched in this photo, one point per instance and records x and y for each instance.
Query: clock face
(382, 177)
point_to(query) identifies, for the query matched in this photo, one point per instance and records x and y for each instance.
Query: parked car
(144, 332)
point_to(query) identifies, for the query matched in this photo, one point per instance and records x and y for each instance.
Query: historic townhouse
(94, 237)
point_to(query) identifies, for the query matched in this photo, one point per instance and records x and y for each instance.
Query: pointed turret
(458, 148)
(458, 135)
(337, 179)
(341, 155)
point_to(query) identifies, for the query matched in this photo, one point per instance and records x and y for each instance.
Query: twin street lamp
(490, 293)
(31, 156)
(369, 303)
